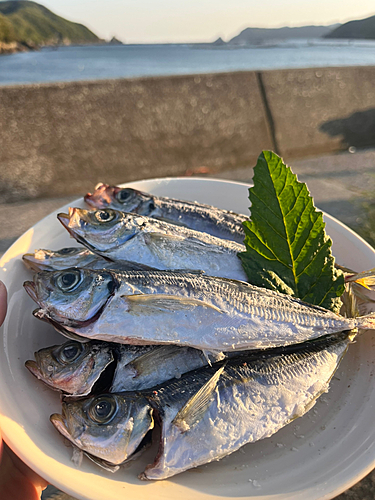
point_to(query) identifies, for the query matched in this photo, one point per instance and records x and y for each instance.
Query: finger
(25, 472)
(17, 481)
(3, 302)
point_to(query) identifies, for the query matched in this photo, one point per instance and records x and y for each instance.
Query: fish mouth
(33, 367)
(30, 288)
(66, 219)
(67, 425)
(30, 262)
(59, 422)
(74, 219)
(101, 197)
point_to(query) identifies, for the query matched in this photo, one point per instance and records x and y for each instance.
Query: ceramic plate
(317, 456)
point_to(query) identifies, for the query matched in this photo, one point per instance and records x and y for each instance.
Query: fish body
(154, 366)
(161, 307)
(44, 259)
(119, 236)
(74, 368)
(217, 222)
(212, 412)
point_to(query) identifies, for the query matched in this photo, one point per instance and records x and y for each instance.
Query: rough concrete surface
(339, 184)
(61, 139)
(320, 110)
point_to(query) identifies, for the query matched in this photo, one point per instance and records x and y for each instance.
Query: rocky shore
(12, 47)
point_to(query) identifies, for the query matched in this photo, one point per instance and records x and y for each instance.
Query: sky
(158, 21)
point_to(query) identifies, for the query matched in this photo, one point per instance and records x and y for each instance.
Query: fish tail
(366, 322)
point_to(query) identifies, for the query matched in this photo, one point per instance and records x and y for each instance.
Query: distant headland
(27, 25)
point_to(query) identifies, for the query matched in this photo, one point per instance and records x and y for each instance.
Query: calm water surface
(101, 62)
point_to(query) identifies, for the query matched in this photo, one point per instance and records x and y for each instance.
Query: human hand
(17, 481)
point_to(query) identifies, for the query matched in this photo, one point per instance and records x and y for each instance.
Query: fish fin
(146, 363)
(365, 278)
(349, 302)
(150, 303)
(158, 241)
(197, 405)
(169, 221)
(359, 294)
(213, 356)
(366, 322)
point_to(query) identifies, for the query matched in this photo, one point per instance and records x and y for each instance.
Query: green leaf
(287, 249)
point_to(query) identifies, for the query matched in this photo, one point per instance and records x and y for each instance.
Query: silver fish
(127, 422)
(44, 259)
(207, 414)
(161, 307)
(74, 368)
(206, 218)
(118, 236)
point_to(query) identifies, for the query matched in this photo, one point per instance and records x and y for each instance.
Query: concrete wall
(321, 110)
(60, 139)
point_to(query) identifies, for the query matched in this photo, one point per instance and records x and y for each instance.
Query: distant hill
(33, 24)
(363, 30)
(254, 36)
(7, 33)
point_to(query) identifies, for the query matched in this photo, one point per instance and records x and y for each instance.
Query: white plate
(317, 456)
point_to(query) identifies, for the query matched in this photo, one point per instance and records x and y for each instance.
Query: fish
(165, 307)
(118, 235)
(217, 222)
(74, 368)
(207, 414)
(44, 259)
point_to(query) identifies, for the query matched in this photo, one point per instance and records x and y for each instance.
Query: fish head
(125, 199)
(71, 296)
(73, 367)
(57, 259)
(102, 230)
(110, 427)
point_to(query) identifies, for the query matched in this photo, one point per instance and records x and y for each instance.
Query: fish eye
(102, 409)
(69, 280)
(69, 352)
(124, 195)
(104, 215)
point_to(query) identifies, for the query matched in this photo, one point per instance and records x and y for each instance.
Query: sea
(128, 61)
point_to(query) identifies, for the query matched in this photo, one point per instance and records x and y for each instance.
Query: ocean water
(124, 61)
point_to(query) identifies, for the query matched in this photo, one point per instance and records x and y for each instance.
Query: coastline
(12, 48)
(16, 47)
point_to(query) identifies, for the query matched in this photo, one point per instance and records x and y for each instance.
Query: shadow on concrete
(357, 130)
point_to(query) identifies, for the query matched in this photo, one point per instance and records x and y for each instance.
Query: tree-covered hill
(364, 29)
(30, 23)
